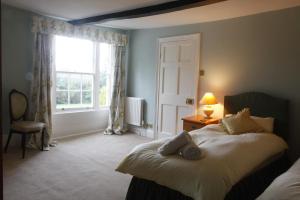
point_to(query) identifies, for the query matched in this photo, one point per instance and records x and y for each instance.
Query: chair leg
(8, 140)
(43, 139)
(23, 145)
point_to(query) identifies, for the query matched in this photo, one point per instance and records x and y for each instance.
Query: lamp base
(208, 113)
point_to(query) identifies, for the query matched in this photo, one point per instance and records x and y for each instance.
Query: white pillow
(241, 123)
(267, 123)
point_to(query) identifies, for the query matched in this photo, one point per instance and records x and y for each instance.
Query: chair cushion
(27, 126)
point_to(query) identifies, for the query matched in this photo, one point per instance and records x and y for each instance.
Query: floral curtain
(116, 122)
(58, 27)
(44, 28)
(40, 94)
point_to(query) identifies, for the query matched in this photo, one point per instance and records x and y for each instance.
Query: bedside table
(196, 122)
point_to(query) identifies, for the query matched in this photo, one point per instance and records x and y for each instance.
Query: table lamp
(208, 100)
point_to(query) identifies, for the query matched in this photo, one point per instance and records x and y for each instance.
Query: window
(82, 73)
(105, 74)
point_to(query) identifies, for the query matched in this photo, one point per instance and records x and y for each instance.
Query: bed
(286, 186)
(250, 186)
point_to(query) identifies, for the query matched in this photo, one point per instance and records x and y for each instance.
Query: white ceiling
(75, 9)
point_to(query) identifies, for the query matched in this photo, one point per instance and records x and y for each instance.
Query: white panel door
(178, 72)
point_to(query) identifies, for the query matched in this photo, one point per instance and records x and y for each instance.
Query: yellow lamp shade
(208, 99)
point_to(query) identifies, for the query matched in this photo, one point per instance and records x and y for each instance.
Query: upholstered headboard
(262, 105)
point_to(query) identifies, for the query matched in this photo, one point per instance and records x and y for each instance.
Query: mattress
(227, 159)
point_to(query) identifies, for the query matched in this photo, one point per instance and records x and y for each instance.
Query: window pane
(75, 82)
(87, 82)
(74, 62)
(105, 73)
(102, 80)
(75, 97)
(61, 98)
(105, 57)
(73, 55)
(61, 81)
(87, 98)
(103, 96)
(79, 88)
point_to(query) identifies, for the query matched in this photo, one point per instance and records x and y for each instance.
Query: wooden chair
(18, 106)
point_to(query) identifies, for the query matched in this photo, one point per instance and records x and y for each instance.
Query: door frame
(197, 38)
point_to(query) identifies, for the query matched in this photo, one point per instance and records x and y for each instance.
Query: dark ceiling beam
(145, 11)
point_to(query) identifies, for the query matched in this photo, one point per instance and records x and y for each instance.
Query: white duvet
(226, 160)
(284, 187)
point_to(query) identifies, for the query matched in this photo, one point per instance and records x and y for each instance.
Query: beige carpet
(79, 168)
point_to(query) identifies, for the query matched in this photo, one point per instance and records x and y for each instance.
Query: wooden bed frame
(250, 187)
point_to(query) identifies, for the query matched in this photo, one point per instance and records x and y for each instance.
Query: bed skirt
(247, 189)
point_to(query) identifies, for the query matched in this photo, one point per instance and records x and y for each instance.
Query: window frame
(95, 89)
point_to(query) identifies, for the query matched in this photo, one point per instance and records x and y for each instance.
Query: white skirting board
(146, 132)
(77, 134)
(16, 138)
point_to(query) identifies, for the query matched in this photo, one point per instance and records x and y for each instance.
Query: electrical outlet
(201, 72)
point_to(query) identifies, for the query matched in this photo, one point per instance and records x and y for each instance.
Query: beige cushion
(267, 123)
(18, 105)
(241, 123)
(27, 126)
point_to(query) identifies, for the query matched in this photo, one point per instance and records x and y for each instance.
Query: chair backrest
(18, 105)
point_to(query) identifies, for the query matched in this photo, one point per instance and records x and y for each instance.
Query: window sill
(61, 112)
(104, 108)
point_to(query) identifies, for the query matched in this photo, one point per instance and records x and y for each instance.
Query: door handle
(189, 101)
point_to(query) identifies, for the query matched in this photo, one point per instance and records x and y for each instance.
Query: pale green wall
(16, 54)
(253, 53)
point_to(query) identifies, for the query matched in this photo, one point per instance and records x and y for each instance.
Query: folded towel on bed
(172, 146)
(190, 151)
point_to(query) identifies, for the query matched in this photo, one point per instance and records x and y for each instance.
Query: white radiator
(134, 111)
